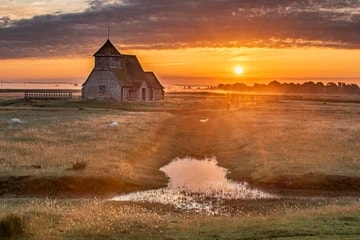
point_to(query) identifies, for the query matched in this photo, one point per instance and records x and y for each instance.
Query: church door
(143, 94)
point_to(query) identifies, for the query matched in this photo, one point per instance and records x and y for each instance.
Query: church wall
(158, 94)
(126, 94)
(140, 94)
(102, 85)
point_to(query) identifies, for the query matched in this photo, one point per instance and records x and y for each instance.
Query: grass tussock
(12, 226)
(78, 165)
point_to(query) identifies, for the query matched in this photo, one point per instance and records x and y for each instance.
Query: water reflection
(196, 185)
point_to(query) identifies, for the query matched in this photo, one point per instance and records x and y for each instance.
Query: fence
(47, 94)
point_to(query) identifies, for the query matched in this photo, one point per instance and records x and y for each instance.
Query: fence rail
(47, 94)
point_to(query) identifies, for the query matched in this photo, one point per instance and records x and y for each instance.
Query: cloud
(5, 21)
(180, 24)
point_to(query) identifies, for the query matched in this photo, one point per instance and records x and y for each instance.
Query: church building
(120, 77)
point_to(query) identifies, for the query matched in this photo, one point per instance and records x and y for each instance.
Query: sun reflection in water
(196, 185)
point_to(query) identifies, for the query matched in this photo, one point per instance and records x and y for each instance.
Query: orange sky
(208, 66)
(260, 65)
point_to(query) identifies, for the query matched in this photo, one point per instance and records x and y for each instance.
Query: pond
(196, 185)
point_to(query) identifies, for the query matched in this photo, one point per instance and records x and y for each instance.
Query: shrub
(78, 165)
(11, 226)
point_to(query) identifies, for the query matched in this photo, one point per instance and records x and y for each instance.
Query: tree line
(306, 87)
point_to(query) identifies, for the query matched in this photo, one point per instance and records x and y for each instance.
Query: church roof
(153, 81)
(122, 77)
(107, 49)
(134, 67)
(134, 70)
(137, 74)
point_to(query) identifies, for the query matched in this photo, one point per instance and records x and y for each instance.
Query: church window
(102, 88)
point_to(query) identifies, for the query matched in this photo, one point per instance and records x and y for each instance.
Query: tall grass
(54, 139)
(12, 226)
(98, 219)
(295, 138)
(257, 141)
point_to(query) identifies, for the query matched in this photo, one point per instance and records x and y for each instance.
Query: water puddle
(196, 185)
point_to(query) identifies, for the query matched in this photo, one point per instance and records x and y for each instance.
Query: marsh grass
(290, 138)
(257, 142)
(254, 141)
(99, 219)
(56, 139)
(11, 226)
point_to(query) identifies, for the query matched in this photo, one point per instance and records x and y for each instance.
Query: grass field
(64, 154)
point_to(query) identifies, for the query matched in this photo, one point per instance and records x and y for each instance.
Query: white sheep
(15, 121)
(204, 120)
(113, 125)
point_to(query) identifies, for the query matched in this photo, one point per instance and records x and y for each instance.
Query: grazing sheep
(113, 125)
(15, 121)
(204, 120)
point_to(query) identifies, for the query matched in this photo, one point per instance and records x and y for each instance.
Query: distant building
(120, 77)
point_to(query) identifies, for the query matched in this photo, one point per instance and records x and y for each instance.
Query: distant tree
(320, 87)
(331, 87)
(274, 86)
(258, 87)
(351, 89)
(290, 87)
(240, 87)
(307, 87)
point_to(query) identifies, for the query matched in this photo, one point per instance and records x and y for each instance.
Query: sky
(184, 42)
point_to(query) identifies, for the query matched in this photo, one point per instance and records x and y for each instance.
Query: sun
(238, 70)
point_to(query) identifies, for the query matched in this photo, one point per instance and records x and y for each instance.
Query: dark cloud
(177, 24)
(5, 21)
